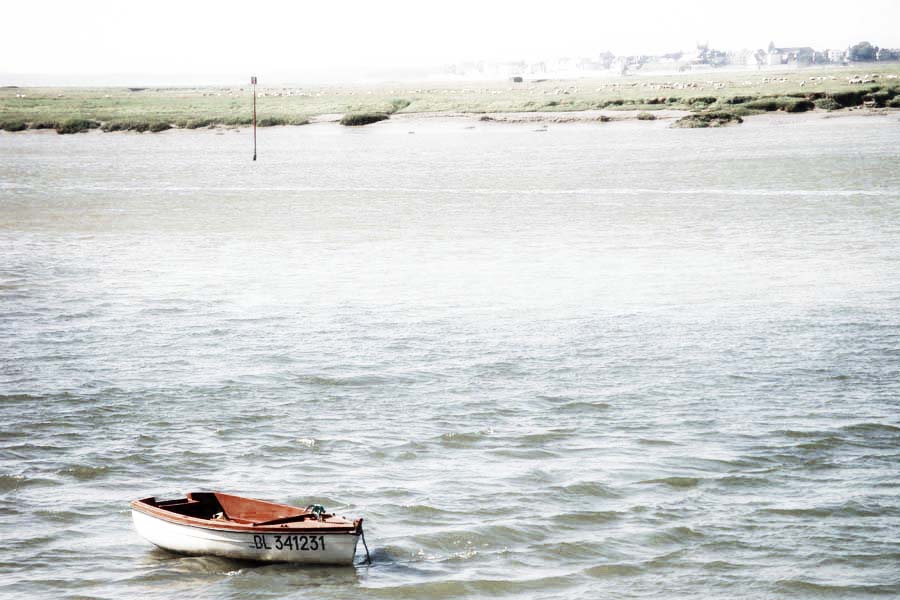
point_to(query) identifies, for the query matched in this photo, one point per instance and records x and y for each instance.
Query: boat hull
(291, 546)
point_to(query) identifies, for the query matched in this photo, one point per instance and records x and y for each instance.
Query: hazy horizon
(100, 41)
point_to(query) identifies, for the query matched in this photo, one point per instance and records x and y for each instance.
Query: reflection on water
(604, 360)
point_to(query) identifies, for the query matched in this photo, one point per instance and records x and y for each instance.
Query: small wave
(796, 586)
(11, 483)
(583, 490)
(860, 560)
(160, 310)
(76, 316)
(553, 435)
(526, 453)
(819, 464)
(826, 443)
(655, 442)
(670, 558)
(497, 368)
(352, 380)
(582, 518)
(60, 516)
(871, 428)
(798, 512)
(793, 433)
(85, 472)
(147, 439)
(676, 535)
(675, 482)
(742, 481)
(851, 509)
(616, 570)
(551, 398)
(720, 565)
(14, 296)
(404, 451)
(28, 450)
(42, 538)
(7, 436)
(387, 554)
(496, 535)
(583, 406)
(423, 511)
(332, 504)
(136, 458)
(462, 439)
(568, 550)
(456, 588)
(10, 398)
(194, 564)
(462, 555)
(292, 446)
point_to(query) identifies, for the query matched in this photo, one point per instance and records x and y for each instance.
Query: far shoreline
(543, 119)
(694, 100)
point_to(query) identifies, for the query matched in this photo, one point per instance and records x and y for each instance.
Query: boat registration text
(303, 543)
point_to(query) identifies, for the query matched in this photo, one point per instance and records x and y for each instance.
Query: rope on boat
(363, 535)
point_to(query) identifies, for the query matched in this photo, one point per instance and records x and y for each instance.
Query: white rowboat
(217, 524)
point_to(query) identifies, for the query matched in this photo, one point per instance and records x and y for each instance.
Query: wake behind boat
(213, 523)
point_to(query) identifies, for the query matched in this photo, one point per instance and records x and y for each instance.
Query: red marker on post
(253, 83)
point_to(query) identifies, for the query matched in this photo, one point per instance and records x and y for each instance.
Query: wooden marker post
(253, 83)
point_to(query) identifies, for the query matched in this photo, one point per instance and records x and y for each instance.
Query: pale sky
(95, 38)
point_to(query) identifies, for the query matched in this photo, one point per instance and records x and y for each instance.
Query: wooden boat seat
(284, 520)
(206, 506)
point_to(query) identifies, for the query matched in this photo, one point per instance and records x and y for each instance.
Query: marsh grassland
(740, 94)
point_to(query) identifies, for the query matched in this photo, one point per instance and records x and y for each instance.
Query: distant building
(699, 59)
(836, 56)
(606, 59)
(671, 57)
(469, 68)
(588, 64)
(704, 55)
(798, 56)
(564, 64)
(512, 69)
(744, 58)
(620, 65)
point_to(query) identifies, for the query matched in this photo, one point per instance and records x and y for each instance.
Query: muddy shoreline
(540, 118)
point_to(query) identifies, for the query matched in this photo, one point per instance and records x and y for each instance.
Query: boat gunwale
(140, 505)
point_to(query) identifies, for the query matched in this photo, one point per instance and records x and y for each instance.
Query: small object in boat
(217, 524)
(317, 510)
